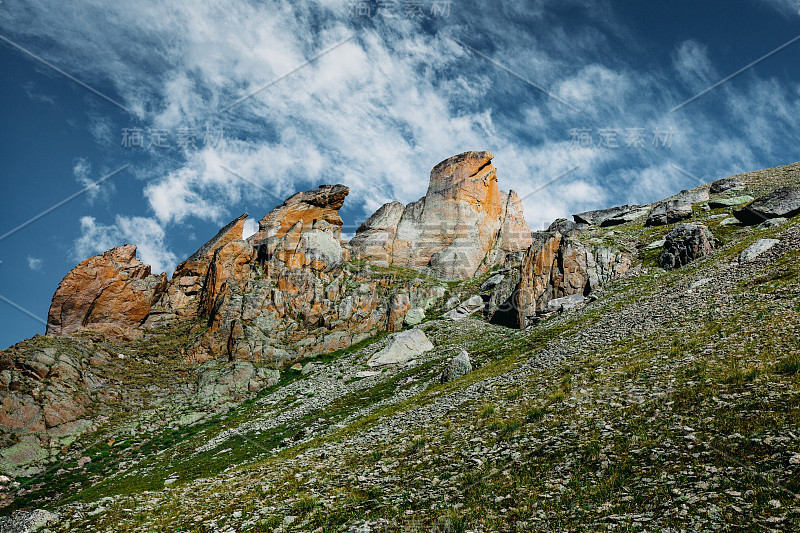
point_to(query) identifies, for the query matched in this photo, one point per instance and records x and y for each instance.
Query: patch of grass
(789, 365)
(487, 411)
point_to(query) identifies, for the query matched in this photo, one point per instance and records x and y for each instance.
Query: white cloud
(380, 111)
(34, 263)
(145, 233)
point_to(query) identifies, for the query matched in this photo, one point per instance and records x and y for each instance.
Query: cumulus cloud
(145, 233)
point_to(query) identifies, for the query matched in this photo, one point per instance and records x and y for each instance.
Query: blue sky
(575, 98)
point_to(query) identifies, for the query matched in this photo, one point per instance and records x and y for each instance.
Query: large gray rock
(465, 309)
(675, 208)
(598, 216)
(457, 367)
(565, 303)
(783, 202)
(403, 346)
(730, 202)
(414, 316)
(622, 218)
(726, 184)
(756, 249)
(684, 244)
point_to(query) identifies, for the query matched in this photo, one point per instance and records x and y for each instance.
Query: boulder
(676, 208)
(628, 216)
(598, 216)
(565, 303)
(729, 202)
(111, 292)
(457, 367)
(564, 226)
(783, 202)
(414, 316)
(731, 183)
(756, 249)
(684, 244)
(772, 223)
(403, 346)
(465, 309)
(464, 224)
(655, 245)
(492, 282)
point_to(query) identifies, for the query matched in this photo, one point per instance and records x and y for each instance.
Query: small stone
(457, 367)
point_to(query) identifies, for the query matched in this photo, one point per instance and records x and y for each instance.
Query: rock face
(465, 309)
(462, 225)
(310, 207)
(188, 280)
(598, 216)
(402, 347)
(111, 292)
(684, 244)
(457, 367)
(286, 292)
(563, 266)
(783, 202)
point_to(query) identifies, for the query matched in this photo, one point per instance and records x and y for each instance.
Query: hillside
(643, 386)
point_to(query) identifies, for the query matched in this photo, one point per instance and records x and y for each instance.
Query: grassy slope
(657, 406)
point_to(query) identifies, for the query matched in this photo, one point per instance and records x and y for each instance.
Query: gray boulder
(772, 223)
(684, 244)
(730, 202)
(457, 367)
(564, 226)
(565, 303)
(403, 346)
(414, 316)
(628, 216)
(465, 309)
(675, 208)
(783, 202)
(756, 249)
(726, 184)
(492, 282)
(600, 215)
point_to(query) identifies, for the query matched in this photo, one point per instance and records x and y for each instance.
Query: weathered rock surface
(565, 303)
(402, 347)
(628, 216)
(684, 244)
(562, 266)
(310, 207)
(730, 202)
(462, 225)
(598, 216)
(457, 367)
(180, 300)
(111, 292)
(726, 184)
(783, 202)
(676, 208)
(27, 521)
(756, 249)
(465, 309)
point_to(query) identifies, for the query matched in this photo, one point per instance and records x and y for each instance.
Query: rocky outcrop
(111, 292)
(180, 300)
(310, 207)
(562, 266)
(676, 208)
(783, 202)
(463, 225)
(684, 244)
